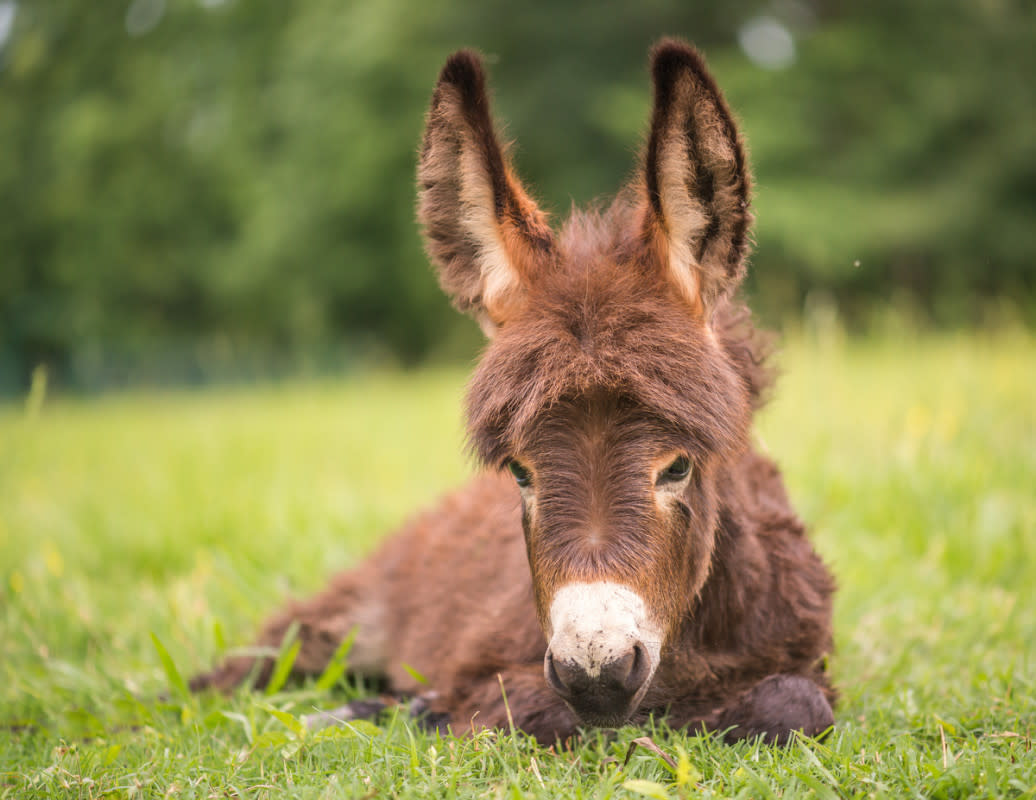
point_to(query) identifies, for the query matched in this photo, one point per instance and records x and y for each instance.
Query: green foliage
(131, 525)
(230, 191)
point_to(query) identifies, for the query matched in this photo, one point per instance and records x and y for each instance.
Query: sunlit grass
(190, 515)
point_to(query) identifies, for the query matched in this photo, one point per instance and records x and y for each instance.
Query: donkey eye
(522, 476)
(677, 471)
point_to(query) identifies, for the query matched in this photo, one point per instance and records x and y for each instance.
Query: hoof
(777, 707)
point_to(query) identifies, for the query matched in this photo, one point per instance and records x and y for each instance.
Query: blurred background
(196, 191)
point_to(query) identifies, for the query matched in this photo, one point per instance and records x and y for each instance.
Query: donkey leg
(525, 699)
(323, 623)
(775, 708)
(419, 708)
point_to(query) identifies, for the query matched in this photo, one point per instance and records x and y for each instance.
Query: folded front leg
(775, 708)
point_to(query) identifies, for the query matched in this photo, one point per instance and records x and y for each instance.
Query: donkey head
(605, 388)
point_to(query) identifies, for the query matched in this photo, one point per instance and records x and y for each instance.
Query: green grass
(187, 517)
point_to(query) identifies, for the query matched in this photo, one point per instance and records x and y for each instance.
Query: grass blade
(172, 674)
(287, 720)
(413, 673)
(282, 669)
(647, 789)
(338, 664)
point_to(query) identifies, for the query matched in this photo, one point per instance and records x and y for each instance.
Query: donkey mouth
(608, 698)
(603, 709)
(595, 716)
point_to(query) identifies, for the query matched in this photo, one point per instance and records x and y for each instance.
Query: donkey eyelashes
(522, 476)
(677, 470)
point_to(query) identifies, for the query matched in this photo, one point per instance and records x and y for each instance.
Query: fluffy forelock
(605, 322)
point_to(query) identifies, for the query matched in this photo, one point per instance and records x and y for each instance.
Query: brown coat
(648, 560)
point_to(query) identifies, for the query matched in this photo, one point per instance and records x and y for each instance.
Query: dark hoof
(427, 720)
(777, 707)
(357, 709)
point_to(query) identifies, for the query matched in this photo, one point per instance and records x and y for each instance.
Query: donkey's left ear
(696, 180)
(488, 238)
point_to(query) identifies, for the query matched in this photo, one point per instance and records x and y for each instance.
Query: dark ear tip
(464, 70)
(672, 56)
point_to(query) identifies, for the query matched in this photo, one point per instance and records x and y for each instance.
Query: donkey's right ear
(485, 234)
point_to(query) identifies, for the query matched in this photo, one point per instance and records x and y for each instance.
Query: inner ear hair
(487, 237)
(696, 180)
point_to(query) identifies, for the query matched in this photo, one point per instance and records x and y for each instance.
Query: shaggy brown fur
(618, 385)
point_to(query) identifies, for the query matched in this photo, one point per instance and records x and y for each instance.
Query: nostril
(566, 679)
(638, 669)
(621, 668)
(551, 673)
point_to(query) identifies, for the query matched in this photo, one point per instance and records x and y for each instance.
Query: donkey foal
(627, 553)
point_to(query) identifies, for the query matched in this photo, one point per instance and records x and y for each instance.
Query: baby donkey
(627, 552)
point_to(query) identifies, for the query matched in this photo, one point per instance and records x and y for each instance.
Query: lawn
(143, 533)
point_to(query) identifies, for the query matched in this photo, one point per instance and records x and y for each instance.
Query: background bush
(198, 189)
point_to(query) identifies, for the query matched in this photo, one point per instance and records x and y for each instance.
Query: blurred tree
(192, 188)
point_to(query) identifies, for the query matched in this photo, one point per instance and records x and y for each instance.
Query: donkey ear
(696, 181)
(487, 237)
